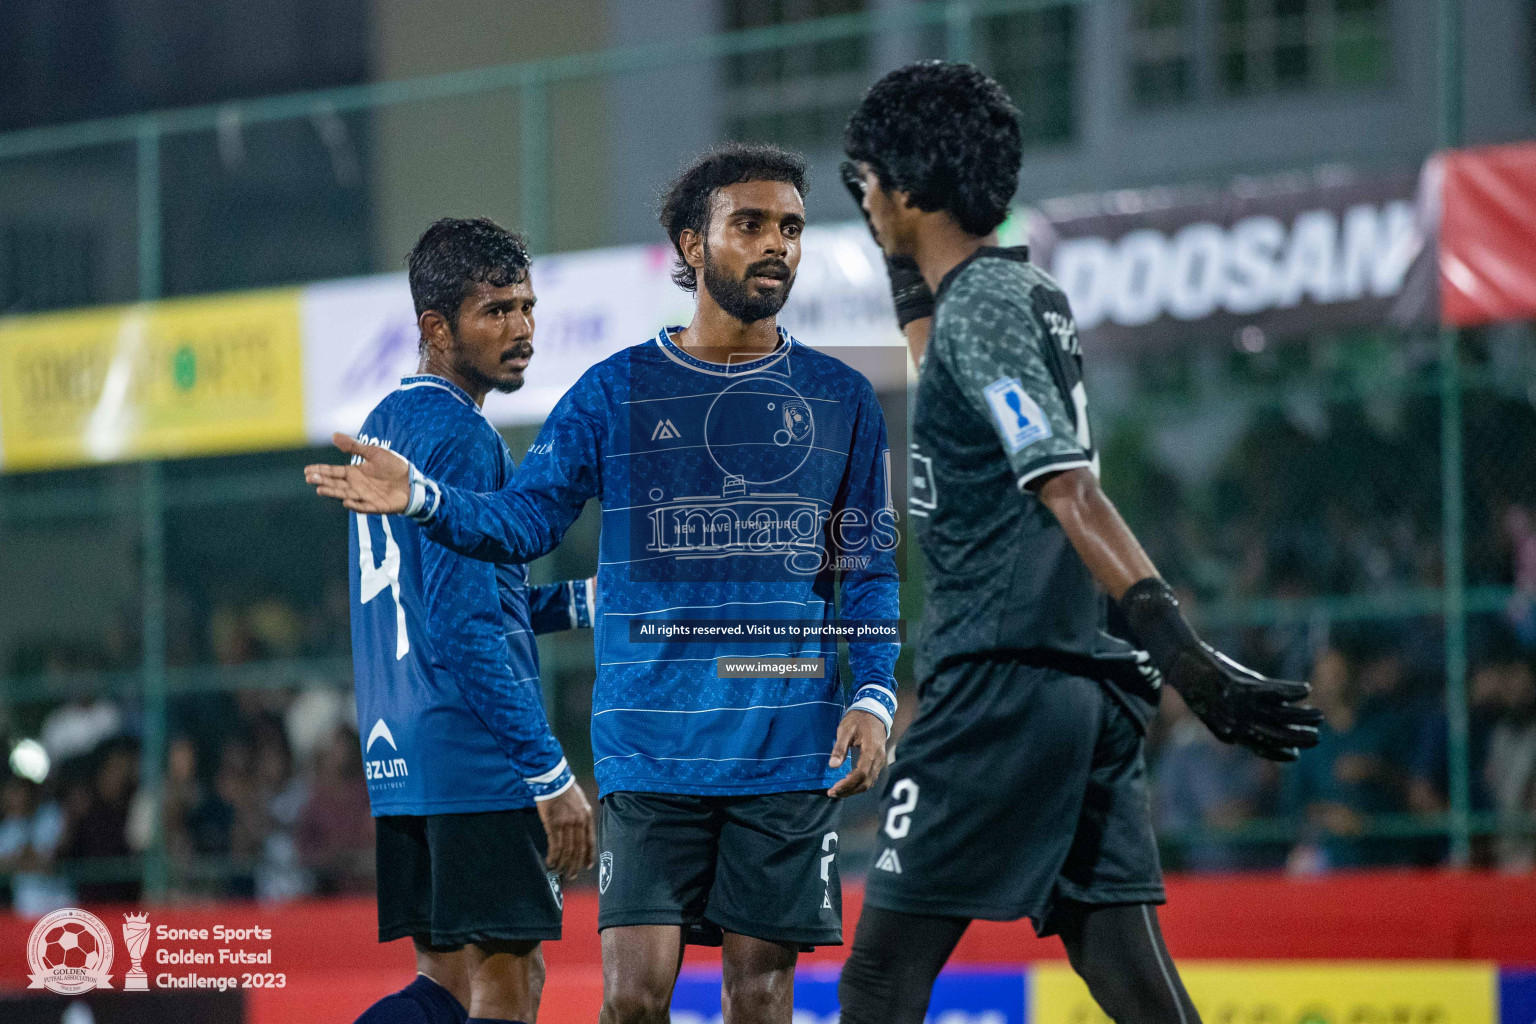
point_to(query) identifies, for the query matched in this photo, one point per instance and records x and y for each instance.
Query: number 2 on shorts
(898, 821)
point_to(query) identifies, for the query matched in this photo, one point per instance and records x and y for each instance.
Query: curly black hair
(454, 255)
(945, 134)
(685, 203)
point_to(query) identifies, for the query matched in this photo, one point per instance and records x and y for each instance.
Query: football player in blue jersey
(744, 484)
(476, 812)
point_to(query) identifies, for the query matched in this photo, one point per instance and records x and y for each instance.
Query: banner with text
(1283, 256)
(167, 379)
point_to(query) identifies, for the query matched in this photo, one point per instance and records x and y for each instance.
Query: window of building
(1275, 45)
(1032, 54)
(1163, 52)
(797, 96)
(1183, 50)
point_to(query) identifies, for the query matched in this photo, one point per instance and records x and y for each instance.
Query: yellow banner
(1299, 993)
(159, 380)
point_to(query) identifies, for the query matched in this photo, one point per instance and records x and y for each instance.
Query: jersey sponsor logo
(380, 731)
(383, 767)
(665, 431)
(1019, 417)
(888, 861)
(604, 871)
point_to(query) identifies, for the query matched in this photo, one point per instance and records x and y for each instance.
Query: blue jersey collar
(672, 350)
(432, 380)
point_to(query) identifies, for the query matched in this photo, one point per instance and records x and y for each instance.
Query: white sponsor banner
(1288, 256)
(360, 334)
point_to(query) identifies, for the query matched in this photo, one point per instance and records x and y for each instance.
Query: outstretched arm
(518, 523)
(501, 526)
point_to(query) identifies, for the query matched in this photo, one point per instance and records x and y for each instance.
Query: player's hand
(568, 824)
(378, 482)
(1237, 704)
(861, 731)
(1241, 706)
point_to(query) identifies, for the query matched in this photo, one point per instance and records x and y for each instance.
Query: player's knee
(509, 980)
(636, 1004)
(536, 974)
(758, 997)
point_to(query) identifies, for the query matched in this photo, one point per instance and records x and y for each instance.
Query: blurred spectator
(96, 823)
(1510, 771)
(79, 727)
(335, 828)
(183, 794)
(281, 796)
(1336, 787)
(313, 717)
(1203, 783)
(1520, 530)
(228, 823)
(29, 836)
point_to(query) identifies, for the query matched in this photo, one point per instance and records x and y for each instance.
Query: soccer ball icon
(71, 944)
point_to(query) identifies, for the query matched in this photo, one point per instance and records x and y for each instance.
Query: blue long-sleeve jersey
(754, 491)
(449, 707)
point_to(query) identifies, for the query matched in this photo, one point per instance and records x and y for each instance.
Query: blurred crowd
(263, 796)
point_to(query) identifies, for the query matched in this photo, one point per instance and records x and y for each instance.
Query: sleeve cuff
(552, 783)
(1053, 466)
(582, 603)
(426, 497)
(879, 701)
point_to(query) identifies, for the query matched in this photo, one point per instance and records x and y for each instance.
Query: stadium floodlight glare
(30, 760)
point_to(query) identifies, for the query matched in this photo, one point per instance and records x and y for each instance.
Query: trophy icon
(136, 938)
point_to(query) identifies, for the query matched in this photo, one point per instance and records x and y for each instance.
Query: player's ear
(435, 330)
(691, 244)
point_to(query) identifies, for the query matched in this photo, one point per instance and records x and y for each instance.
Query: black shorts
(449, 879)
(1017, 787)
(764, 866)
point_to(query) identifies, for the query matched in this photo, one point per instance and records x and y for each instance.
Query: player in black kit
(1020, 789)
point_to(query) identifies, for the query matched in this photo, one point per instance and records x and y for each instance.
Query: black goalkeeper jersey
(1001, 402)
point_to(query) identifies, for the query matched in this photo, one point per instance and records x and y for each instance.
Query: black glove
(1238, 705)
(913, 297)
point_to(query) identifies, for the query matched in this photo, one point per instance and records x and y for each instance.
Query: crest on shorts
(604, 871)
(554, 888)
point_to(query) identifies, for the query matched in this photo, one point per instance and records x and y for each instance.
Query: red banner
(1488, 234)
(333, 968)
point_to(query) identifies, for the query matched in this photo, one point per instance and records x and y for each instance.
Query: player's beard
(738, 297)
(466, 368)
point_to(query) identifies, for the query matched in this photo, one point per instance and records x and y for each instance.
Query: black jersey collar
(1019, 253)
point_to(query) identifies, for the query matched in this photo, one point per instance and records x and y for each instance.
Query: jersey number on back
(386, 574)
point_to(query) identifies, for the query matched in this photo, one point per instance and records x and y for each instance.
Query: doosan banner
(1287, 256)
